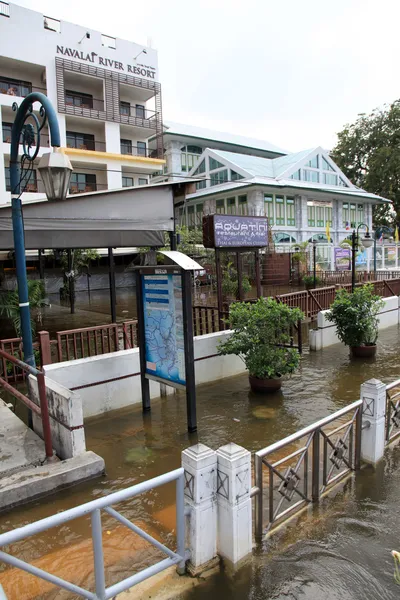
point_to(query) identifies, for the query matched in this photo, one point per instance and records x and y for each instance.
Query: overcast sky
(288, 71)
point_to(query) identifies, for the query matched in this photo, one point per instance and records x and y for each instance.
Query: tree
(368, 152)
(9, 305)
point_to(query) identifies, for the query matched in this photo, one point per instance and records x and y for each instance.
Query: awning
(113, 218)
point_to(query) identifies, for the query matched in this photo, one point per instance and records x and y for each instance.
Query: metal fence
(43, 410)
(93, 509)
(300, 468)
(392, 427)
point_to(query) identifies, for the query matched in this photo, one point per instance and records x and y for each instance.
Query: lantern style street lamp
(55, 172)
(366, 241)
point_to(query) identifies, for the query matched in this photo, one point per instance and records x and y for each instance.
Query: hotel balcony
(18, 79)
(88, 178)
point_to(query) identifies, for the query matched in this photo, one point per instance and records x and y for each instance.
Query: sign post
(165, 328)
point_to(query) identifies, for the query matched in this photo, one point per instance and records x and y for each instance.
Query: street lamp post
(381, 228)
(314, 244)
(367, 242)
(55, 172)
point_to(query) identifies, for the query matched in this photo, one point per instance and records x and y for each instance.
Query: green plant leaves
(260, 332)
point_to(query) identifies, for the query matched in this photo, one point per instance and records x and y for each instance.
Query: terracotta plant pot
(265, 386)
(363, 351)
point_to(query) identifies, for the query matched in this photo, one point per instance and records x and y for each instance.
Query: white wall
(325, 334)
(124, 366)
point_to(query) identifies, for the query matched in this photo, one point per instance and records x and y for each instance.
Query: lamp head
(55, 170)
(367, 240)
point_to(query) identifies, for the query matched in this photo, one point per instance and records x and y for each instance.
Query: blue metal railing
(93, 509)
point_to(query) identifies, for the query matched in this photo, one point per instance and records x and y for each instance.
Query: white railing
(93, 509)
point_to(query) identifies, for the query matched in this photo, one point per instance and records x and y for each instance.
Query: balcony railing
(32, 187)
(133, 150)
(44, 138)
(82, 106)
(87, 145)
(140, 117)
(18, 88)
(81, 188)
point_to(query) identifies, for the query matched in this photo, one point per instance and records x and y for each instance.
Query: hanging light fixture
(367, 241)
(55, 170)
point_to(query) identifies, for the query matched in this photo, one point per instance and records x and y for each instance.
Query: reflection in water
(360, 526)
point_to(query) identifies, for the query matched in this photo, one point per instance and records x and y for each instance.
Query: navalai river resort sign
(92, 57)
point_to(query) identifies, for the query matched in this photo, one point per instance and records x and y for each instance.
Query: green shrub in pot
(355, 315)
(260, 336)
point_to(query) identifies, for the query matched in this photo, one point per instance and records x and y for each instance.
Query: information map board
(164, 341)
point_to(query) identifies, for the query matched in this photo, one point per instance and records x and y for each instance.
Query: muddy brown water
(343, 550)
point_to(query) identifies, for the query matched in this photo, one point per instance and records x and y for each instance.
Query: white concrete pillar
(63, 129)
(373, 395)
(200, 464)
(255, 203)
(234, 503)
(209, 206)
(113, 138)
(173, 158)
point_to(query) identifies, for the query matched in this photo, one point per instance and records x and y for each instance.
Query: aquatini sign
(92, 57)
(224, 231)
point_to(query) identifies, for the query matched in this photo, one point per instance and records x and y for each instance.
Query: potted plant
(308, 281)
(355, 316)
(230, 283)
(261, 337)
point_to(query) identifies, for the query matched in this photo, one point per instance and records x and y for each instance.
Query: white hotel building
(106, 93)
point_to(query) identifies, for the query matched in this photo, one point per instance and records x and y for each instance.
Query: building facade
(105, 91)
(304, 195)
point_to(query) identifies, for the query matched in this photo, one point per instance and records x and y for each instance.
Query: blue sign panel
(237, 231)
(163, 327)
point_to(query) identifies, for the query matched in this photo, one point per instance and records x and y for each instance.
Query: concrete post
(45, 350)
(173, 158)
(373, 395)
(200, 464)
(234, 503)
(255, 203)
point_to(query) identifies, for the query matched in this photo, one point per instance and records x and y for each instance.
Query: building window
(14, 87)
(201, 168)
(314, 162)
(311, 215)
(84, 141)
(7, 127)
(345, 215)
(312, 176)
(220, 206)
(360, 214)
(290, 214)
(52, 24)
(231, 206)
(235, 176)
(269, 208)
(219, 177)
(319, 210)
(124, 108)
(140, 111)
(141, 149)
(296, 176)
(126, 146)
(108, 41)
(78, 99)
(29, 185)
(127, 181)
(353, 215)
(4, 9)
(143, 181)
(242, 205)
(330, 178)
(326, 166)
(199, 215)
(214, 164)
(189, 157)
(201, 185)
(81, 182)
(280, 210)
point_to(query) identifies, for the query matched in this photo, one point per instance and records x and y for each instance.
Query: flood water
(342, 553)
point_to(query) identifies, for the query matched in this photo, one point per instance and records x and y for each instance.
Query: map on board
(163, 326)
